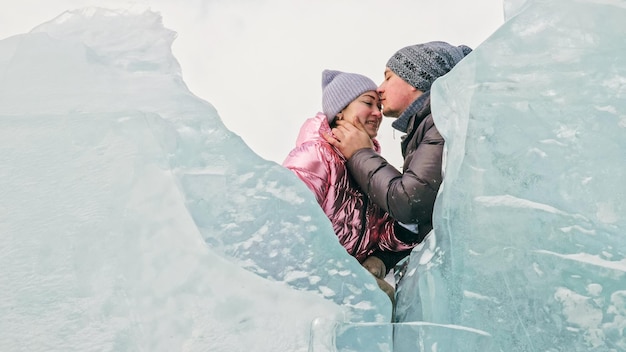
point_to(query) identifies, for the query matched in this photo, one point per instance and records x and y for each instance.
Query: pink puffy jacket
(361, 226)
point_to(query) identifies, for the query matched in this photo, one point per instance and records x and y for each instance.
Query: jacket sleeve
(389, 258)
(393, 236)
(310, 162)
(395, 242)
(408, 197)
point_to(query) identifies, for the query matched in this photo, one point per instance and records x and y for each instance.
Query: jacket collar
(402, 122)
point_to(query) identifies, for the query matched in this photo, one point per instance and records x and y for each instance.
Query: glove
(388, 289)
(375, 266)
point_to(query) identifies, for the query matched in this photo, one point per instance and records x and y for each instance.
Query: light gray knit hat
(341, 88)
(421, 64)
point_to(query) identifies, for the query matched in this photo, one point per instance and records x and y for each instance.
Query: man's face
(396, 94)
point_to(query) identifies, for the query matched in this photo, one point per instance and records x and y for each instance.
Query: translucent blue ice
(131, 219)
(530, 226)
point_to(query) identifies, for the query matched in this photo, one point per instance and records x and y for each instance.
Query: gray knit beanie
(341, 88)
(421, 64)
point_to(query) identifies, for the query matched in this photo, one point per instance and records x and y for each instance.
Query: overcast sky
(259, 62)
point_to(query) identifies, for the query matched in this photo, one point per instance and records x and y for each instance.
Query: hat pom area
(465, 49)
(328, 76)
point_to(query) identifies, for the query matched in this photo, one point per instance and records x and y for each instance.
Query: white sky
(259, 62)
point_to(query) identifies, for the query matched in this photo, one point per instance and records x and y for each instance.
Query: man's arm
(408, 197)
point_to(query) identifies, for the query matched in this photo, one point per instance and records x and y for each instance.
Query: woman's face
(365, 109)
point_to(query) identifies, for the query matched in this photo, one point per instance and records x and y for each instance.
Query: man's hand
(375, 266)
(349, 138)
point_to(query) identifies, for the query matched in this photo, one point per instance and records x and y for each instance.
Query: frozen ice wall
(132, 219)
(530, 238)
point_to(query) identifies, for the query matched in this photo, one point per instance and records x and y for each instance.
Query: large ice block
(131, 219)
(530, 227)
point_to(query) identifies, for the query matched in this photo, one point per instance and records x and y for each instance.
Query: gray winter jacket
(408, 196)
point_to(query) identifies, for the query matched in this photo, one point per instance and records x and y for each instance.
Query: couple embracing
(377, 212)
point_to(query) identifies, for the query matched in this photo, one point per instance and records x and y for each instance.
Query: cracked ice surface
(529, 243)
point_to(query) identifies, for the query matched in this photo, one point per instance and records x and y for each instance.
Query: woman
(362, 227)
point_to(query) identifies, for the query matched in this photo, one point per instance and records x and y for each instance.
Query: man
(408, 196)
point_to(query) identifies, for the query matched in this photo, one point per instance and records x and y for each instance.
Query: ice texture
(530, 228)
(131, 219)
